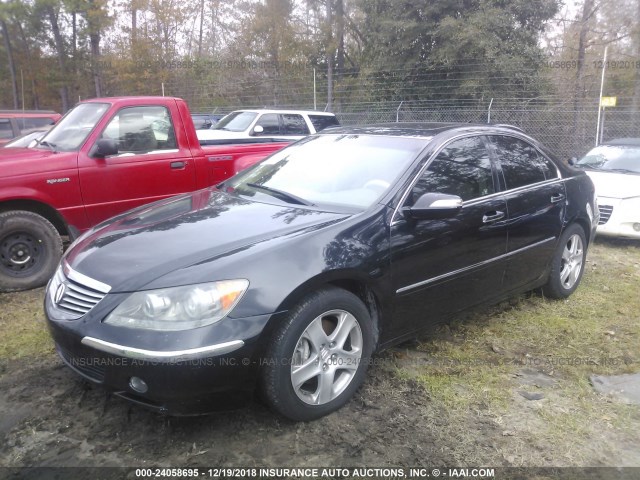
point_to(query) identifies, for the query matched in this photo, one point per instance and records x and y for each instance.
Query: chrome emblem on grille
(59, 293)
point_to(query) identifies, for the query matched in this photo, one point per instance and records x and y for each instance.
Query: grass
(472, 371)
(474, 367)
(23, 331)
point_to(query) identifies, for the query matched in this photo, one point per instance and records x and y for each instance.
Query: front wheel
(318, 356)
(30, 249)
(568, 262)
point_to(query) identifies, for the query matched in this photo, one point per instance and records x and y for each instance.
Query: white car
(280, 124)
(614, 168)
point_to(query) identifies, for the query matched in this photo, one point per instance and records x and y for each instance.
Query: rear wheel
(319, 355)
(30, 249)
(568, 263)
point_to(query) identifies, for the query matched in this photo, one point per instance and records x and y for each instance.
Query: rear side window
(320, 122)
(269, 122)
(293, 124)
(521, 163)
(6, 131)
(462, 168)
(26, 124)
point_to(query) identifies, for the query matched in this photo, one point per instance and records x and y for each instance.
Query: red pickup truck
(105, 156)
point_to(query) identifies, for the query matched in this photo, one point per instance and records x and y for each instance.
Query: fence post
(398, 111)
(489, 111)
(604, 68)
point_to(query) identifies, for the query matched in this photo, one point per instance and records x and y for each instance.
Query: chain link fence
(566, 126)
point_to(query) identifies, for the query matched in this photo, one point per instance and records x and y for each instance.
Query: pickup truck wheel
(30, 249)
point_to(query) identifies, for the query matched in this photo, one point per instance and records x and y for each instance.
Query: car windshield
(235, 122)
(72, 130)
(351, 171)
(620, 158)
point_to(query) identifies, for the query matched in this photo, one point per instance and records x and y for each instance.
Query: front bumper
(185, 374)
(618, 218)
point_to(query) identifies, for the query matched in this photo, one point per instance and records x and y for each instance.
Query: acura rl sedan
(285, 279)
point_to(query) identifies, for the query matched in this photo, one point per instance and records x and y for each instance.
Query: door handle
(558, 197)
(492, 216)
(177, 165)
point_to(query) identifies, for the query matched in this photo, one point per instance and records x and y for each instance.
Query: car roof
(265, 110)
(424, 130)
(631, 142)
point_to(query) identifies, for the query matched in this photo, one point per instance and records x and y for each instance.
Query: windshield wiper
(286, 195)
(51, 146)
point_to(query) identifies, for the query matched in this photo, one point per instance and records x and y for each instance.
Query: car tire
(327, 337)
(30, 249)
(567, 265)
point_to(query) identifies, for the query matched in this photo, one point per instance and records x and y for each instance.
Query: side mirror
(258, 130)
(433, 206)
(573, 160)
(105, 147)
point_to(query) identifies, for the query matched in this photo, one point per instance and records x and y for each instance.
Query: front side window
(521, 163)
(462, 168)
(141, 130)
(269, 123)
(72, 130)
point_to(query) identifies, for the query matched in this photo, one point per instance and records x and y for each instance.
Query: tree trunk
(340, 35)
(636, 87)
(59, 43)
(12, 67)
(134, 22)
(94, 40)
(201, 28)
(35, 101)
(330, 51)
(579, 92)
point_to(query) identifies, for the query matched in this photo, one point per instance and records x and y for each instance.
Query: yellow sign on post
(608, 101)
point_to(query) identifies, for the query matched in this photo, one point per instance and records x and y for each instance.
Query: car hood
(142, 245)
(615, 185)
(24, 161)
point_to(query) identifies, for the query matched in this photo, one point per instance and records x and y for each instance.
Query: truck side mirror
(573, 160)
(104, 147)
(258, 130)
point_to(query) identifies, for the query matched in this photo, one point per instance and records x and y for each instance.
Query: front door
(447, 265)
(150, 165)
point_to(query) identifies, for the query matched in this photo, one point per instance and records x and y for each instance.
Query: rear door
(536, 203)
(150, 165)
(442, 266)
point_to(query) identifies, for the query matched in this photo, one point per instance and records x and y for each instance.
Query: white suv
(280, 124)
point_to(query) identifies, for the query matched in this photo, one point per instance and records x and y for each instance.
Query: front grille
(605, 213)
(75, 294)
(91, 367)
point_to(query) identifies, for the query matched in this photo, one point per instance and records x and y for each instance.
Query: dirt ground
(50, 417)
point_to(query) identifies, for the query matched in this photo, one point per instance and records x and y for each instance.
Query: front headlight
(179, 308)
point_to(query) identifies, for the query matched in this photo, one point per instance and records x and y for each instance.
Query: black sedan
(286, 278)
